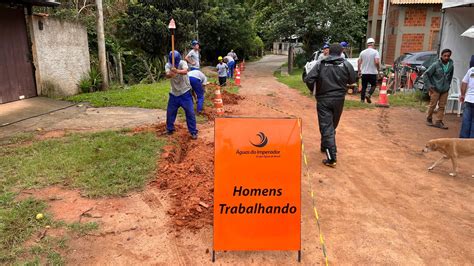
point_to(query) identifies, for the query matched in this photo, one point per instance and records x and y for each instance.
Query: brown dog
(451, 148)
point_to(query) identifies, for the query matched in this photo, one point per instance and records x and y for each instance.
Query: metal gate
(16, 67)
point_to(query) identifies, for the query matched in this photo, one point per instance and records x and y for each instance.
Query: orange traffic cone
(237, 76)
(242, 66)
(383, 99)
(218, 103)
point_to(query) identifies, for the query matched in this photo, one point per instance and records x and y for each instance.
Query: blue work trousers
(186, 102)
(199, 90)
(230, 73)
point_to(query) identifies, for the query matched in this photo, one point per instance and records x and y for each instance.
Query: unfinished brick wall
(412, 42)
(435, 22)
(380, 11)
(371, 7)
(415, 16)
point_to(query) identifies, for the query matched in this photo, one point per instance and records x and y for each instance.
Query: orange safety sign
(257, 184)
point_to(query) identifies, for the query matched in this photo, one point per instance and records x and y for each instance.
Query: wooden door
(16, 67)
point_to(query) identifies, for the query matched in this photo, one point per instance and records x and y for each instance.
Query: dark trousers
(467, 126)
(368, 79)
(186, 102)
(222, 81)
(199, 90)
(329, 113)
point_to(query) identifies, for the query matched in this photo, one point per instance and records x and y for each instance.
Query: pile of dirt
(160, 129)
(186, 172)
(231, 98)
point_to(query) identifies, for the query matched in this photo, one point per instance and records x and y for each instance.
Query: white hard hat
(370, 40)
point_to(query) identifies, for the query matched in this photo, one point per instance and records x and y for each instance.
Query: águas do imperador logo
(260, 141)
(263, 140)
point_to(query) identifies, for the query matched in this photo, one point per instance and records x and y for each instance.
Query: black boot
(331, 160)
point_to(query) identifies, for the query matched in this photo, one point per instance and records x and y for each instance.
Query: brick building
(410, 26)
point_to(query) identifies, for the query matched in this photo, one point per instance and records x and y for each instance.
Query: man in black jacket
(329, 78)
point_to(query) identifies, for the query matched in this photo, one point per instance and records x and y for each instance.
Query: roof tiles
(409, 2)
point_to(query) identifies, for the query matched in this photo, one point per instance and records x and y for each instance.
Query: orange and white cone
(383, 98)
(218, 103)
(237, 76)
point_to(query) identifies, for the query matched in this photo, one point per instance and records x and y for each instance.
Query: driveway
(42, 113)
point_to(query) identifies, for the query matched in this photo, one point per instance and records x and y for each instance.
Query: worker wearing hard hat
(368, 66)
(222, 71)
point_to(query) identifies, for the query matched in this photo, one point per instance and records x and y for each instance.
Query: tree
(226, 27)
(101, 45)
(314, 21)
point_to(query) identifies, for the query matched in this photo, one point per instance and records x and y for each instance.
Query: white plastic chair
(453, 97)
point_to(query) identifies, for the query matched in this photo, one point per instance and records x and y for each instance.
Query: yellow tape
(316, 212)
(321, 238)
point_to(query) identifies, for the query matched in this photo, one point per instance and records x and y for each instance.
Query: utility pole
(101, 44)
(382, 34)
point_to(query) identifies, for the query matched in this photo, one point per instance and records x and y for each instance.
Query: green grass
(18, 138)
(100, 164)
(400, 99)
(149, 96)
(18, 223)
(82, 228)
(231, 89)
(47, 250)
(408, 99)
(356, 104)
(294, 81)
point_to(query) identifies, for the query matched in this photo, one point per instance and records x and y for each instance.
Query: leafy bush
(300, 60)
(91, 82)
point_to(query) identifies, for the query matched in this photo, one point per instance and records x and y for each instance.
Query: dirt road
(379, 206)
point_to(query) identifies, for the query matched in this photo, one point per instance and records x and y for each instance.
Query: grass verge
(408, 99)
(294, 81)
(100, 164)
(23, 238)
(149, 96)
(18, 223)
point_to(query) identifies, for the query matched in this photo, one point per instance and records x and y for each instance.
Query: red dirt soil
(378, 206)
